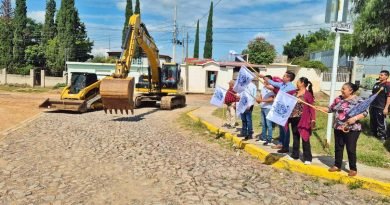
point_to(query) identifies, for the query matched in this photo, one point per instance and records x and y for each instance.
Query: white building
(201, 76)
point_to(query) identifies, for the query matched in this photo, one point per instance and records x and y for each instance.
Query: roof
(239, 64)
(196, 61)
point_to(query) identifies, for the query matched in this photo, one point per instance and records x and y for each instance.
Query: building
(202, 75)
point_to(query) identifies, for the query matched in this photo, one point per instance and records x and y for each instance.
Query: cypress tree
(49, 28)
(20, 25)
(6, 34)
(128, 14)
(72, 41)
(137, 7)
(208, 46)
(196, 46)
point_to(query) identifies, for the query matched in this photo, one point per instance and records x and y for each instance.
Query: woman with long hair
(302, 120)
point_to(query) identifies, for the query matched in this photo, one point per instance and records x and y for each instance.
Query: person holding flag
(230, 100)
(348, 111)
(288, 87)
(245, 109)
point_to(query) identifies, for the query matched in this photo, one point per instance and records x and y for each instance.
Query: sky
(235, 23)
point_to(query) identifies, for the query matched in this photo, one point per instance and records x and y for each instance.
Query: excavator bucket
(69, 105)
(117, 94)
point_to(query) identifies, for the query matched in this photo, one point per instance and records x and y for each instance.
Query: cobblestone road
(95, 158)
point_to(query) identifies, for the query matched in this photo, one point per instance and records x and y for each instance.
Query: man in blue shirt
(288, 87)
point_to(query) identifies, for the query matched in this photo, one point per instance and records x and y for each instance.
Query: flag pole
(302, 101)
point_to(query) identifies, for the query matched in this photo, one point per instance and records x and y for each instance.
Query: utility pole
(187, 47)
(183, 52)
(174, 33)
(334, 70)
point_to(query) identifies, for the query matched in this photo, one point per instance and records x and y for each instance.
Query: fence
(36, 78)
(341, 77)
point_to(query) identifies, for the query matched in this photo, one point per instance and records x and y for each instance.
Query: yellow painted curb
(281, 163)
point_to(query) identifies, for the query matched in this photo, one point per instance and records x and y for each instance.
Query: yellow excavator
(116, 92)
(160, 85)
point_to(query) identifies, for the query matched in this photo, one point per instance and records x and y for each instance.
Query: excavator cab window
(81, 80)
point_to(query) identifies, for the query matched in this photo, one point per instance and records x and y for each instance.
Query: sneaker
(278, 146)
(283, 150)
(307, 163)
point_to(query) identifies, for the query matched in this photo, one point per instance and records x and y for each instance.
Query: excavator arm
(117, 90)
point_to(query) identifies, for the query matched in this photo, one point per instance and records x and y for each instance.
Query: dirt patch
(17, 107)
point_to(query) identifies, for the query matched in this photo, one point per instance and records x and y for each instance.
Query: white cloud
(121, 5)
(38, 16)
(262, 34)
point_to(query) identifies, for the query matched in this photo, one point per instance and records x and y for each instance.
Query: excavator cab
(170, 76)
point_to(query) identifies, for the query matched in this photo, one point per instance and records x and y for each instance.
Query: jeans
(307, 156)
(349, 140)
(285, 136)
(266, 130)
(247, 128)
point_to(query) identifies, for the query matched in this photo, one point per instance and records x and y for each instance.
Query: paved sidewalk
(324, 161)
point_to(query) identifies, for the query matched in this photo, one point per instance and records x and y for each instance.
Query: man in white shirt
(266, 99)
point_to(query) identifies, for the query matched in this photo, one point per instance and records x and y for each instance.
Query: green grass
(198, 128)
(23, 88)
(370, 151)
(355, 185)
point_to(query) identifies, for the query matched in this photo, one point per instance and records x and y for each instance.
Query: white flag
(244, 103)
(244, 78)
(218, 98)
(282, 107)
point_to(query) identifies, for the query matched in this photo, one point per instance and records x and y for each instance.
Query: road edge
(282, 163)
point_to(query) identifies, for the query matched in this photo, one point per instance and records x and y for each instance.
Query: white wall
(313, 75)
(52, 81)
(18, 79)
(195, 77)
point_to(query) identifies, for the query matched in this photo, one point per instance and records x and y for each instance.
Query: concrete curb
(282, 163)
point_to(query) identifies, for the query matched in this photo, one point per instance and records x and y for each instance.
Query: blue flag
(218, 98)
(361, 107)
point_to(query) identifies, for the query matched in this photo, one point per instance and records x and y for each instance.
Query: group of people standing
(303, 117)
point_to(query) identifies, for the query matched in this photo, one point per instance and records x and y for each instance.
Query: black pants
(349, 140)
(296, 141)
(378, 122)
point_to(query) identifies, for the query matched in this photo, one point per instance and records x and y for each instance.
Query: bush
(305, 62)
(368, 82)
(23, 70)
(59, 85)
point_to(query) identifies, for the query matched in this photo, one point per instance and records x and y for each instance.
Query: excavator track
(171, 102)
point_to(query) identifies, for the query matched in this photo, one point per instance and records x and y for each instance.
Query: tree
(260, 51)
(371, 29)
(49, 27)
(128, 14)
(6, 9)
(137, 7)
(208, 45)
(6, 45)
(20, 24)
(35, 55)
(71, 40)
(196, 46)
(296, 47)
